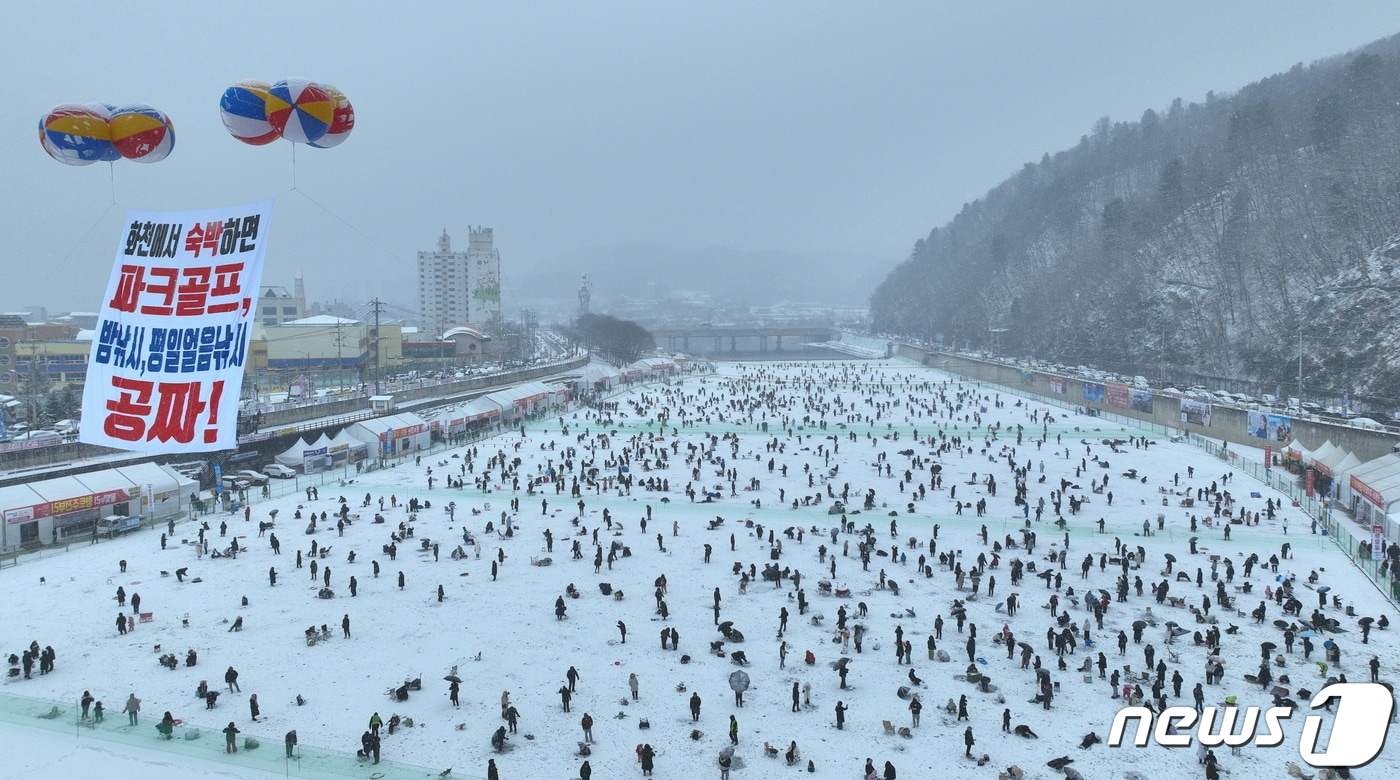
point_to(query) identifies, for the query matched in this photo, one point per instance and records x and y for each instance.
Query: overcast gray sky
(839, 131)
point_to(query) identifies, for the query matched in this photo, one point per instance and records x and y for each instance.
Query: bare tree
(619, 342)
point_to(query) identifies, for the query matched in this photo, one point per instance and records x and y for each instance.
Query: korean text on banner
(172, 337)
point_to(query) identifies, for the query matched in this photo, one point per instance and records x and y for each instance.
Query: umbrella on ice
(727, 752)
(1308, 633)
(739, 681)
(1267, 646)
(1324, 588)
(453, 678)
(1366, 621)
(1170, 558)
(1139, 624)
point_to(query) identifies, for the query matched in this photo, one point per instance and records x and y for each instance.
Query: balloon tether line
(48, 274)
(346, 223)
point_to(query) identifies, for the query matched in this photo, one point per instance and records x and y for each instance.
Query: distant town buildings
(457, 288)
(277, 306)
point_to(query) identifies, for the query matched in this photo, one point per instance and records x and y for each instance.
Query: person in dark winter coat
(648, 760)
(374, 746)
(968, 741)
(231, 677)
(889, 771)
(587, 724)
(694, 707)
(585, 771)
(291, 741)
(230, 738)
(491, 773)
(253, 707)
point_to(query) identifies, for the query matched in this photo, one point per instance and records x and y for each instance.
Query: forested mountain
(1200, 241)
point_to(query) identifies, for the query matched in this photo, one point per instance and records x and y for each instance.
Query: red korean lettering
(193, 294)
(226, 285)
(129, 286)
(205, 236)
(166, 292)
(177, 412)
(127, 413)
(212, 233)
(194, 239)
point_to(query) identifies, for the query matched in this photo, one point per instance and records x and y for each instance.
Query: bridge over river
(751, 342)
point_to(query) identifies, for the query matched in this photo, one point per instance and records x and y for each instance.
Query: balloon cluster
(84, 134)
(301, 111)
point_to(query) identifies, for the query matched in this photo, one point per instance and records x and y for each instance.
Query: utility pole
(339, 357)
(374, 342)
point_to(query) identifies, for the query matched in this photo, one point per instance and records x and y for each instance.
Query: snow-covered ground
(501, 634)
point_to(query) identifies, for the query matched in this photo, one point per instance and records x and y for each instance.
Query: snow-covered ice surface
(66, 601)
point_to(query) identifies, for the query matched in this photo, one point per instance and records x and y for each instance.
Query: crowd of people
(885, 524)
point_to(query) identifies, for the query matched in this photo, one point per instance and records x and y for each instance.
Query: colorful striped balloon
(243, 108)
(141, 133)
(105, 110)
(75, 135)
(342, 120)
(299, 110)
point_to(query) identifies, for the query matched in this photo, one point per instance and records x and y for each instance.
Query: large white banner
(167, 359)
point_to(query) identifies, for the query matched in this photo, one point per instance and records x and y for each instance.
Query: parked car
(232, 483)
(279, 471)
(253, 477)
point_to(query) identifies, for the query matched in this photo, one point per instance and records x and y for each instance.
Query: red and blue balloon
(297, 110)
(84, 134)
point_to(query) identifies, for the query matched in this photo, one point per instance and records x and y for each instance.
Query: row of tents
(404, 433)
(1371, 490)
(43, 510)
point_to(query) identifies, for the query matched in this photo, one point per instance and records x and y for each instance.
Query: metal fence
(204, 742)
